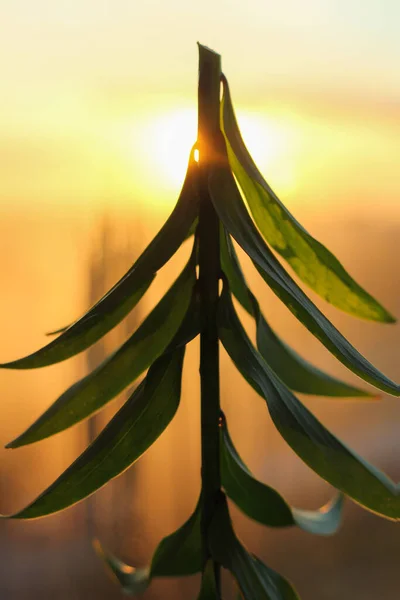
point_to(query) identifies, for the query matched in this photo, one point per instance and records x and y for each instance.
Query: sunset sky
(98, 100)
(98, 109)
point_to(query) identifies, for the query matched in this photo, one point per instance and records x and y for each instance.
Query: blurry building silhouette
(110, 511)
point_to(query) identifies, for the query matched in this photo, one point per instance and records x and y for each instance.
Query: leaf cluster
(251, 215)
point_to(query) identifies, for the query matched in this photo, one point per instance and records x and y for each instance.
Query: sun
(172, 137)
(166, 138)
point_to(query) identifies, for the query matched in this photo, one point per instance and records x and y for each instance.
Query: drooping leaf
(256, 581)
(128, 435)
(192, 229)
(177, 555)
(233, 271)
(133, 580)
(313, 443)
(232, 212)
(116, 372)
(134, 428)
(297, 373)
(264, 504)
(125, 294)
(181, 552)
(312, 262)
(278, 584)
(61, 329)
(209, 589)
(188, 236)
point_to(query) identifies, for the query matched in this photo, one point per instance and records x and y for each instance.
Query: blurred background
(97, 116)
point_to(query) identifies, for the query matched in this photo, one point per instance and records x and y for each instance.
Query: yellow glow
(270, 145)
(138, 160)
(165, 140)
(169, 138)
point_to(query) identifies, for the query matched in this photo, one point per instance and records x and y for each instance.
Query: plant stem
(209, 262)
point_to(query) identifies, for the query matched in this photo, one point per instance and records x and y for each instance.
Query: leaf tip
(381, 315)
(364, 395)
(16, 443)
(390, 319)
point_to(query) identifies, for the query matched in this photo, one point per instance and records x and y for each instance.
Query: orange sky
(98, 108)
(98, 101)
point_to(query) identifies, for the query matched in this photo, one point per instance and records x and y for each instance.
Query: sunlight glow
(166, 139)
(170, 139)
(271, 146)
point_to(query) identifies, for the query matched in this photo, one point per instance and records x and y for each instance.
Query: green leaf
(125, 294)
(233, 272)
(264, 504)
(313, 443)
(256, 581)
(133, 429)
(209, 589)
(297, 373)
(232, 212)
(278, 584)
(133, 580)
(189, 234)
(310, 260)
(129, 434)
(177, 555)
(181, 552)
(192, 229)
(114, 374)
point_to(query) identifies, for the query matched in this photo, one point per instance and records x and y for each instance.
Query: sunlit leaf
(256, 581)
(133, 429)
(315, 445)
(177, 555)
(114, 374)
(209, 589)
(232, 212)
(125, 294)
(297, 373)
(311, 261)
(264, 504)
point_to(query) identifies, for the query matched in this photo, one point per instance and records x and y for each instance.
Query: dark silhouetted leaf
(125, 294)
(232, 212)
(256, 581)
(180, 553)
(133, 429)
(114, 374)
(209, 590)
(188, 236)
(264, 504)
(177, 555)
(128, 435)
(315, 445)
(311, 261)
(297, 373)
